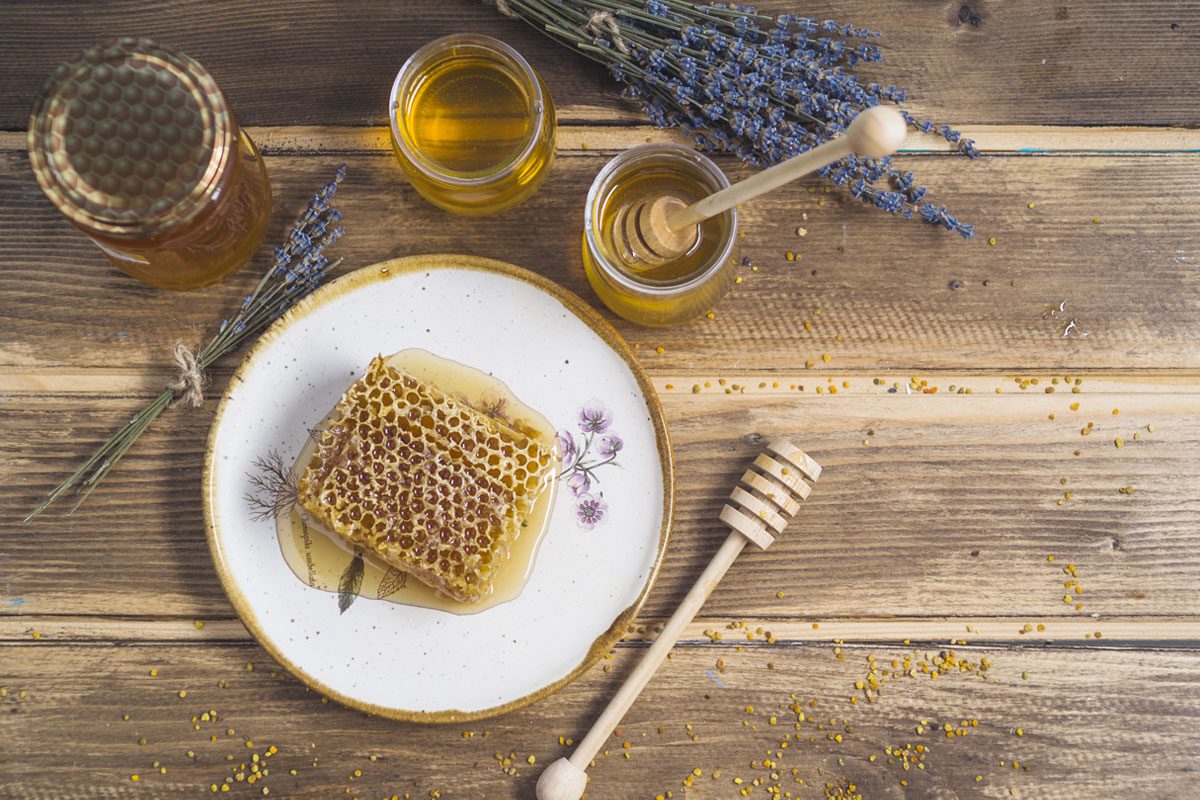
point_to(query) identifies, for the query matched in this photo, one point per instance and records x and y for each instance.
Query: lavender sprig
(759, 87)
(299, 267)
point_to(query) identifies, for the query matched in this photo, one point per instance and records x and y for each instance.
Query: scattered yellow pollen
(992, 241)
(198, 624)
(134, 777)
(182, 693)
(660, 350)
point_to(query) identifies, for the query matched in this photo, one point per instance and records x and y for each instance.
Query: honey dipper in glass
(660, 224)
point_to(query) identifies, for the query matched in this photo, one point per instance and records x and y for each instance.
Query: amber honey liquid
(477, 131)
(319, 557)
(468, 116)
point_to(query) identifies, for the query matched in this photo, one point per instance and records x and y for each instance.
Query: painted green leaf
(393, 581)
(350, 582)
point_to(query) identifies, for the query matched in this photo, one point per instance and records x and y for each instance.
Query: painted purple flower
(610, 445)
(579, 483)
(566, 446)
(594, 417)
(590, 511)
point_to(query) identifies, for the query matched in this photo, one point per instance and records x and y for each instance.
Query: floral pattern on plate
(596, 439)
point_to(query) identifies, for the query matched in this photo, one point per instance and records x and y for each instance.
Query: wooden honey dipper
(653, 232)
(762, 503)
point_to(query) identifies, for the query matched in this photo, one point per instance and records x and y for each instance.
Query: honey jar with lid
(136, 146)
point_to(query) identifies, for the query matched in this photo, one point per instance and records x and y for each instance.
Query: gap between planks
(71, 380)
(998, 139)
(1142, 631)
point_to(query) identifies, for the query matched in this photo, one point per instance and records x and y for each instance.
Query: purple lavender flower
(566, 446)
(759, 87)
(594, 417)
(579, 483)
(590, 511)
(610, 445)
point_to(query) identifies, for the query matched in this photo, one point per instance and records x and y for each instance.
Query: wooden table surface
(931, 530)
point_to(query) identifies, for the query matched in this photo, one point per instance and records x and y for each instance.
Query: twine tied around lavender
(503, 7)
(603, 25)
(189, 386)
(299, 267)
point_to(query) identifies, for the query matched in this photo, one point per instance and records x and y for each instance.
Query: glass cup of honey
(683, 287)
(472, 124)
(134, 143)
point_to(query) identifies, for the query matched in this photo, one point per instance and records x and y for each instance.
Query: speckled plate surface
(608, 529)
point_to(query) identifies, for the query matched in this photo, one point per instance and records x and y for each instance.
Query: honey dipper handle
(876, 132)
(637, 680)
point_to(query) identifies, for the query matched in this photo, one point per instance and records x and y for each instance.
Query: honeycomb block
(424, 482)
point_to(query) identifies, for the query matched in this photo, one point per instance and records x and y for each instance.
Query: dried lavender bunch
(760, 87)
(299, 267)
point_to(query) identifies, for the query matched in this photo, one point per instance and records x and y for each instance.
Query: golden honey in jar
(472, 124)
(683, 287)
(136, 146)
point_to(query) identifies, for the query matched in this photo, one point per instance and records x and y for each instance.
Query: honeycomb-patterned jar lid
(130, 139)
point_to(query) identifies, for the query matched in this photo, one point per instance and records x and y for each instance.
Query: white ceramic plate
(558, 356)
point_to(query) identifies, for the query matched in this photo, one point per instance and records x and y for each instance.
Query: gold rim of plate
(382, 271)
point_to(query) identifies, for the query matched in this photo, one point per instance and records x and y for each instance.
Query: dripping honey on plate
(319, 556)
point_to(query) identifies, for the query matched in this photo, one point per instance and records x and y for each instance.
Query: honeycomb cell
(440, 493)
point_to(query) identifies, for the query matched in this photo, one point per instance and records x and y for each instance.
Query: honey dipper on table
(654, 231)
(762, 503)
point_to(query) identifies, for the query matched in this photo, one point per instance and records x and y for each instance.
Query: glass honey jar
(136, 146)
(472, 124)
(683, 287)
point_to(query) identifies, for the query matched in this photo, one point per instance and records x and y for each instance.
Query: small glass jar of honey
(472, 124)
(136, 146)
(683, 287)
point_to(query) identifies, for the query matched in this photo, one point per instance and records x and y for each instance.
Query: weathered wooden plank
(931, 505)
(113, 382)
(1007, 139)
(1089, 724)
(892, 293)
(1145, 630)
(310, 62)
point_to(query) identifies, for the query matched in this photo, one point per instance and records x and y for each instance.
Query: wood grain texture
(1092, 723)
(1077, 629)
(933, 519)
(1009, 139)
(893, 294)
(311, 62)
(950, 510)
